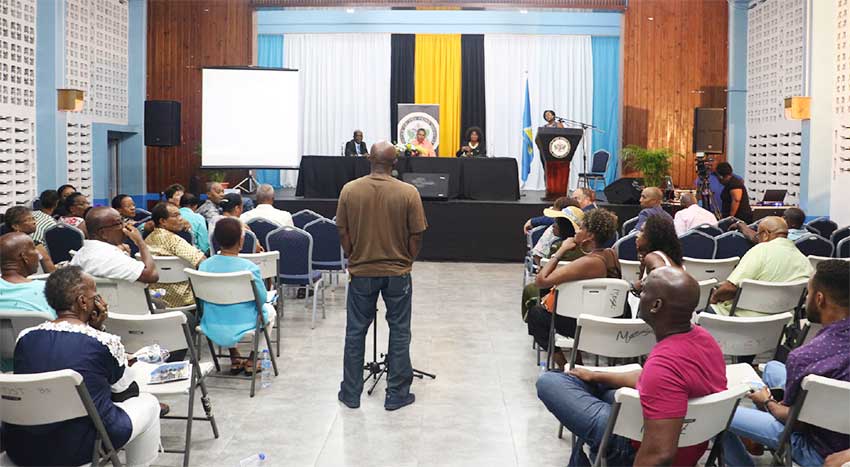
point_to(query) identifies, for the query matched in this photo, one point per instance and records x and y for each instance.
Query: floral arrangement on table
(409, 149)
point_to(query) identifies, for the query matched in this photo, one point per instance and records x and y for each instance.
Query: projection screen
(250, 118)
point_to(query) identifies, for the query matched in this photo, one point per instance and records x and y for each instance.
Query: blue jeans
(583, 409)
(397, 292)
(762, 428)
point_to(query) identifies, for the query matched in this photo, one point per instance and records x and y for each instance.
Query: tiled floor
(481, 410)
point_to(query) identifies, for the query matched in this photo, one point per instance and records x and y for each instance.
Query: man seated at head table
(685, 363)
(356, 147)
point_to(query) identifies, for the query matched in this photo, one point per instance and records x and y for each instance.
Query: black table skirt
(485, 179)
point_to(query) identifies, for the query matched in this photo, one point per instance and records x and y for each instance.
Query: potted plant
(218, 176)
(655, 164)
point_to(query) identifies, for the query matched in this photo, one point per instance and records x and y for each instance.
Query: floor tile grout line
(327, 437)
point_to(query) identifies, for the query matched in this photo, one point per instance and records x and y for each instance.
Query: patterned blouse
(165, 243)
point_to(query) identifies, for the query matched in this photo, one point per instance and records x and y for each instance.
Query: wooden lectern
(557, 147)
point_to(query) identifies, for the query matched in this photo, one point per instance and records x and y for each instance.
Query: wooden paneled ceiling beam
(609, 5)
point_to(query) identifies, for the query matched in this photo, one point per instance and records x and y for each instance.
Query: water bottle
(157, 293)
(256, 459)
(542, 366)
(266, 373)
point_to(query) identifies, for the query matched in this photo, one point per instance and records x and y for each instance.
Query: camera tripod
(377, 368)
(705, 195)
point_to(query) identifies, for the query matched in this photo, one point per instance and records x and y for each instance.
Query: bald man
(210, 208)
(650, 201)
(685, 363)
(692, 215)
(773, 259)
(380, 221)
(18, 260)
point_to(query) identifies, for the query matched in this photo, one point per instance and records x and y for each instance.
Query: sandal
(237, 365)
(248, 370)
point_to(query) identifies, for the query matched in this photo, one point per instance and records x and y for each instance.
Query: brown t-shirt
(380, 214)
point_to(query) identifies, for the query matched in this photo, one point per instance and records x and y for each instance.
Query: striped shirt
(42, 223)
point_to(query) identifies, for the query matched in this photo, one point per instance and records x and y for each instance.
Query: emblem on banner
(559, 147)
(412, 122)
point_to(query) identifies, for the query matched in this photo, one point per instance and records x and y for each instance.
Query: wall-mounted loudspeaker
(162, 123)
(709, 130)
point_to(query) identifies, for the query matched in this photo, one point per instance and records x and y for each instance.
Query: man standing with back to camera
(381, 221)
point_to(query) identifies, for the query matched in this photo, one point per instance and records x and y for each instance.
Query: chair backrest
(706, 417)
(824, 226)
(813, 244)
(823, 395)
(598, 297)
(628, 225)
(142, 214)
(165, 329)
(697, 244)
(745, 335)
(731, 244)
(261, 228)
(42, 398)
(327, 251)
(171, 269)
(842, 250)
(222, 288)
(708, 229)
(705, 287)
(248, 245)
(811, 229)
(267, 262)
(725, 223)
(304, 217)
(296, 252)
(600, 161)
(61, 239)
(702, 269)
(769, 297)
(815, 260)
(630, 270)
(12, 322)
(534, 235)
(626, 247)
(839, 235)
(613, 337)
(129, 298)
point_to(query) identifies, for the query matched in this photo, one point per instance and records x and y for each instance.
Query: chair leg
(189, 417)
(254, 362)
(271, 354)
(560, 431)
(214, 356)
(324, 310)
(313, 322)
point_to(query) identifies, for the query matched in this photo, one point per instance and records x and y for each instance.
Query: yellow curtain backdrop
(438, 81)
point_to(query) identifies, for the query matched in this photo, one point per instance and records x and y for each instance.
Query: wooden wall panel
(675, 59)
(184, 36)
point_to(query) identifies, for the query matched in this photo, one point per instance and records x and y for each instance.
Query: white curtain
(345, 86)
(560, 77)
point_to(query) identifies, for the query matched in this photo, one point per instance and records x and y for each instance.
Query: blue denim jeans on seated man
(361, 306)
(583, 408)
(763, 428)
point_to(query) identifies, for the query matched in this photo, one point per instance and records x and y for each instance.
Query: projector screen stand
(250, 180)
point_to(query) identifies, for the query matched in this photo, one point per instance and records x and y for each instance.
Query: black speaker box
(624, 190)
(709, 130)
(430, 186)
(162, 123)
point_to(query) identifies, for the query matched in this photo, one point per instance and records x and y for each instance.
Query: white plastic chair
(815, 260)
(268, 264)
(707, 418)
(613, 338)
(703, 269)
(171, 272)
(228, 289)
(706, 287)
(52, 397)
(129, 298)
(816, 405)
(171, 332)
(768, 297)
(740, 336)
(630, 270)
(12, 322)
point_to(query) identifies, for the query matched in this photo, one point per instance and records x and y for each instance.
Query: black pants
(538, 325)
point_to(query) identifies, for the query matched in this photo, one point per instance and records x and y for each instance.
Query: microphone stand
(584, 127)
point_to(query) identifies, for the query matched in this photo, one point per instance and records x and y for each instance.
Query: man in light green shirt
(773, 259)
(188, 205)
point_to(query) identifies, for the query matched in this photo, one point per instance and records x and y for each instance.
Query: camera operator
(734, 197)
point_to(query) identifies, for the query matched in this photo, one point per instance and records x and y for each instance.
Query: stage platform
(464, 230)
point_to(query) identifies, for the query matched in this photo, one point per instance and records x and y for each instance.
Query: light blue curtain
(269, 53)
(606, 101)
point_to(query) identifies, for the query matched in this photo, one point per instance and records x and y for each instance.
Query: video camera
(702, 160)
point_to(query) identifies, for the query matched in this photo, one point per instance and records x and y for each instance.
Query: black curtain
(402, 85)
(473, 111)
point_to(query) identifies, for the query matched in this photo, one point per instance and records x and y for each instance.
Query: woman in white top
(658, 246)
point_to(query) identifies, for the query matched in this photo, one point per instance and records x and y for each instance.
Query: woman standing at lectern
(474, 146)
(549, 116)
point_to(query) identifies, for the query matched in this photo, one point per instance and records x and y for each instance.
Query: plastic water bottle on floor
(266, 373)
(255, 460)
(542, 366)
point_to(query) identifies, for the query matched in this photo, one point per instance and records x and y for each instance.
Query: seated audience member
(231, 206)
(200, 234)
(795, 218)
(173, 194)
(105, 255)
(566, 223)
(356, 147)
(827, 355)
(76, 205)
(225, 325)
(560, 203)
(125, 206)
(265, 208)
(76, 341)
(692, 215)
(657, 246)
(164, 241)
(210, 209)
(20, 219)
(64, 192)
(18, 261)
(650, 201)
(474, 146)
(597, 228)
(774, 259)
(586, 198)
(685, 363)
(48, 201)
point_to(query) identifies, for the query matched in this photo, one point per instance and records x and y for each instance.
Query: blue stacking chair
(731, 244)
(824, 226)
(696, 244)
(261, 228)
(626, 247)
(61, 239)
(304, 217)
(327, 251)
(597, 168)
(814, 245)
(725, 223)
(296, 264)
(248, 246)
(629, 225)
(843, 248)
(839, 235)
(708, 229)
(612, 241)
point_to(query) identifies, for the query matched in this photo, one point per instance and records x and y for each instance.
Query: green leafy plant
(216, 176)
(655, 164)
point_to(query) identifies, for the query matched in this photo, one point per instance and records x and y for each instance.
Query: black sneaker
(392, 403)
(350, 405)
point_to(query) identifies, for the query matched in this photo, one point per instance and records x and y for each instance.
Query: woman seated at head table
(473, 146)
(424, 144)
